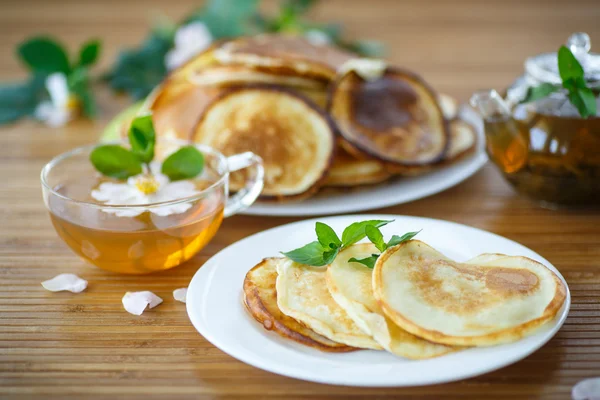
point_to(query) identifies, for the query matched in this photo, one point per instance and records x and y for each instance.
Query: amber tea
(548, 157)
(137, 244)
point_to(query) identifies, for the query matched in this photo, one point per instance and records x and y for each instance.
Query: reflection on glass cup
(143, 238)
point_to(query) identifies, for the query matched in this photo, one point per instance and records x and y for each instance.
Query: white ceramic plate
(386, 194)
(214, 305)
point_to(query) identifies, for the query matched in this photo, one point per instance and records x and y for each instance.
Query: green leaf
(185, 163)
(584, 100)
(21, 99)
(568, 66)
(138, 71)
(45, 55)
(299, 6)
(228, 18)
(330, 255)
(311, 254)
(539, 92)
(356, 231)
(142, 138)
(115, 161)
(376, 237)
(367, 261)
(327, 236)
(395, 240)
(89, 52)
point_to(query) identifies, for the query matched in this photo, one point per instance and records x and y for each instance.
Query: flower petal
(189, 41)
(57, 87)
(136, 302)
(70, 282)
(117, 193)
(587, 389)
(180, 294)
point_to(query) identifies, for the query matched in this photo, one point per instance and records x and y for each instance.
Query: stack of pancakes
(317, 115)
(415, 303)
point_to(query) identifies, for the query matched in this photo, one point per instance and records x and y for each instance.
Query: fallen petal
(587, 389)
(136, 302)
(180, 294)
(70, 282)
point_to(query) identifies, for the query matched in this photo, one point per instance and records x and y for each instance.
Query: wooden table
(63, 345)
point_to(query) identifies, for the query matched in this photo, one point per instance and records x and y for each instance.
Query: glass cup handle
(254, 185)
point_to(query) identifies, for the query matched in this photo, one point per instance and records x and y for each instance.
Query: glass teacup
(144, 238)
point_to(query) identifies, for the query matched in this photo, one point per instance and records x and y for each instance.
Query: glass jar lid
(544, 67)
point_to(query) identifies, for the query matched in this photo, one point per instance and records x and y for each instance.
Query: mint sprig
(118, 162)
(573, 81)
(326, 248)
(376, 237)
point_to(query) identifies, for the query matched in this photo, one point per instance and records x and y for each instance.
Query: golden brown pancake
(176, 114)
(260, 298)
(230, 75)
(350, 285)
(302, 293)
(348, 171)
(487, 301)
(463, 141)
(294, 138)
(395, 118)
(284, 53)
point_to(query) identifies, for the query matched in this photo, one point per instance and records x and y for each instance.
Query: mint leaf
(137, 71)
(89, 52)
(368, 261)
(18, 100)
(327, 236)
(535, 93)
(228, 18)
(185, 163)
(45, 55)
(356, 231)
(142, 138)
(311, 254)
(395, 240)
(584, 100)
(376, 237)
(573, 77)
(115, 161)
(568, 66)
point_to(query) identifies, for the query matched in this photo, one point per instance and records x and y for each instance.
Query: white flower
(190, 40)
(316, 37)
(61, 107)
(145, 189)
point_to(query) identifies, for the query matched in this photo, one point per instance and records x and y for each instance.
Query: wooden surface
(61, 345)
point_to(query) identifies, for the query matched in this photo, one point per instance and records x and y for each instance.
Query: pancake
(260, 298)
(395, 118)
(240, 75)
(291, 134)
(303, 295)
(175, 114)
(463, 141)
(350, 285)
(284, 54)
(349, 171)
(449, 106)
(476, 303)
